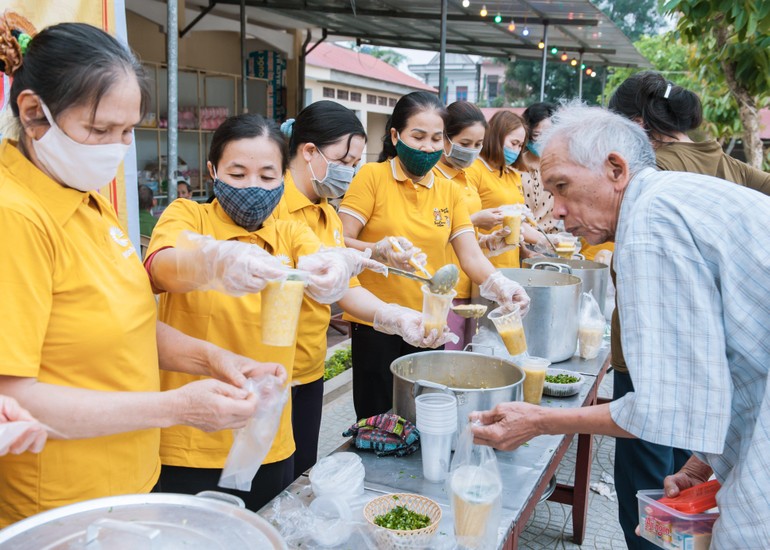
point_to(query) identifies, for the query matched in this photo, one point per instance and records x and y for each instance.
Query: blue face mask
(510, 155)
(535, 148)
(416, 162)
(248, 207)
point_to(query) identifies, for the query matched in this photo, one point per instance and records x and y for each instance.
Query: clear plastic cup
(566, 245)
(281, 304)
(512, 220)
(436, 453)
(474, 492)
(436, 411)
(435, 308)
(510, 329)
(534, 368)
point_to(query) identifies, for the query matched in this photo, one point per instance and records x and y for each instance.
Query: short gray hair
(592, 133)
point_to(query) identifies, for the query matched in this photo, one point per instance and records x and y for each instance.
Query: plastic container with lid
(673, 529)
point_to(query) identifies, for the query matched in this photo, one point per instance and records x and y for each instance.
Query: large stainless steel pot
(156, 521)
(551, 326)
(595, 275)
(478, 381)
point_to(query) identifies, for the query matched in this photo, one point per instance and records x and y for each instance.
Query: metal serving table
(526, 471)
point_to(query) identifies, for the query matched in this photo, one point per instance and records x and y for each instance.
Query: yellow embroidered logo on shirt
(441, 217)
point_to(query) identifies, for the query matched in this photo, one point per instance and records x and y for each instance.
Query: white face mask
(77, 165)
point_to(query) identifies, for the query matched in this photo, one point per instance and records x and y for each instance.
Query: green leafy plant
(340, 361)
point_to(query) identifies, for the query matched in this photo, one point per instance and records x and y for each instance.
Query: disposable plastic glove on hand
(232, 267)
(505, 292)
(384, 252)
(330, 271)
(407, 323)
(494, 244)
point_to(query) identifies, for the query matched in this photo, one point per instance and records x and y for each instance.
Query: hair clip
(24, 39)
(668, 91)
(287, 128)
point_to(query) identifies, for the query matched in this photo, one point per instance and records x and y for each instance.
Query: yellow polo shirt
(496, 190)
(229, 322)
(79, 312)
(589, 251)
(323, 220)
(473, 203)
(429, 213)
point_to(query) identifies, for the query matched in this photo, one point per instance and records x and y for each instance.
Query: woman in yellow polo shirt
(495, 178)
(463, 139)
(247, 161)
(401, 196)
(80, 343)
(326, 142)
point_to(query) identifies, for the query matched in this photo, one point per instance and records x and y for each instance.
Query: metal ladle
(442, 282)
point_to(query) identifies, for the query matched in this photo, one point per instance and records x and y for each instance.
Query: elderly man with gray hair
(693, 269)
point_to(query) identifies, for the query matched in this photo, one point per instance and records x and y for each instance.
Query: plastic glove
(330, 271)
(232, 267)
(505, 292)
(407, 323)
(495, 244)
(383, 252)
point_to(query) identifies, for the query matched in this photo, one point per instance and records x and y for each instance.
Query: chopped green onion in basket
(561, 379)
(401, 518)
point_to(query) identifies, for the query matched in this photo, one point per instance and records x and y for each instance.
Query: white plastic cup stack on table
(437, 422)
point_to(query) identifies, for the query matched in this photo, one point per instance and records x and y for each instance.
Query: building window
(342, 94)
(371, 99)
(355, 96)
(493, 85)
(382, 100)
(392, 102)
(329, 92)
(462, 93)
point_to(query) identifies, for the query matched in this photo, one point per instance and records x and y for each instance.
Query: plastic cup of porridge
(435, 308)
(512, 220)
(510, 329)
(535, 369)
(281, 304)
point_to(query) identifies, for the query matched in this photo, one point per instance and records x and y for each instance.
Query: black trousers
(639, 465)
(270, 480)
(373, 352)
(306, 406)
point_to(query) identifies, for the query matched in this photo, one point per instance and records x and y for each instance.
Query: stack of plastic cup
(437, 423)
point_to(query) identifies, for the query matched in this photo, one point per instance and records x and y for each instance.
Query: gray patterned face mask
(248, 207)
(336, 181)
(461, 157)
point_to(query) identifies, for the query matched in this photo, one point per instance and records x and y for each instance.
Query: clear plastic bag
(590, 328)
(475, 489)
(253, 441)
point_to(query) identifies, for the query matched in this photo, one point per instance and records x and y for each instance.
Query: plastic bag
(475, 488)
(253, 441)
(590, 328)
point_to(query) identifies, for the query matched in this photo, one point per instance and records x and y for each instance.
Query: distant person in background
(146, 203)
(666, 112)
(537, 118)
(183, 190)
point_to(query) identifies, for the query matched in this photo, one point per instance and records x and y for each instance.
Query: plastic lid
(696, 499)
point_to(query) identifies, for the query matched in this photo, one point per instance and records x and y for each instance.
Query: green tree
(522, 82)
(391, 57)
(731, 40)
(635, 18)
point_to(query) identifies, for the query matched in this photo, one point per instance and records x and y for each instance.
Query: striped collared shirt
(693, 266)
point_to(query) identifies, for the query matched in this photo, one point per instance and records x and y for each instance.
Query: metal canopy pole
(442, 92)
(244, 105)
(604, 85)
(172, 57)
(580, 76)
(545, 56)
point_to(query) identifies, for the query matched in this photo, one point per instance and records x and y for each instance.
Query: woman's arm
(351, 229)
(472, 259)
(179, 352)
(80, 413)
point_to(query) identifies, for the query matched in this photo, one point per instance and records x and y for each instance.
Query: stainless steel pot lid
(155, 521)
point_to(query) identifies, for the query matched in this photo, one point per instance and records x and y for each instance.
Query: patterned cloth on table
(385, 434)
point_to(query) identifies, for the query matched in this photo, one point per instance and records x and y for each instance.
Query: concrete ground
(550, 527)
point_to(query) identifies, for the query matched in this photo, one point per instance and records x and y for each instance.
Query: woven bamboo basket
(394, 539)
